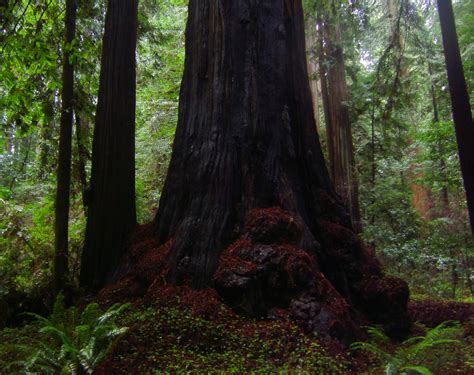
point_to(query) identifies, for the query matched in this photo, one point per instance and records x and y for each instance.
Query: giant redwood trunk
(112, 213)
(248, 206)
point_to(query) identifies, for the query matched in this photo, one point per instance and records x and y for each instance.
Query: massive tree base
(265, 275)
(248, 207)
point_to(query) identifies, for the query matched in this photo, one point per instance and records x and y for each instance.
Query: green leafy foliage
(160, 68)
(411, 193)
(411, 356)
(71, 342)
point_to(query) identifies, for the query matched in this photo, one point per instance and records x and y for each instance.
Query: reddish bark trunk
(112, 213)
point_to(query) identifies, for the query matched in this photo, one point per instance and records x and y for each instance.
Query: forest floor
(188, 331)
(192, 331)
(180, 330)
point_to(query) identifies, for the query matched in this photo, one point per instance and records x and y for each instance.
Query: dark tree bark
(64, 157)
(342, 166)
(112, 213)
(46, 137)
(462, 115)
(246, 135)
(82, 156)
(247, 165)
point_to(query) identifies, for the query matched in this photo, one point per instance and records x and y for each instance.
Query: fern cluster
(75, 342)
(408, 358)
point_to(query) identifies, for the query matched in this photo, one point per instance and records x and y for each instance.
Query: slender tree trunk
(444, 190)
(322, 61)
(311, 45)
(112, 212)
(64, 158)
(420, 198)
(338, 126)
(462, 115)
(434, 101)
(81, 133)
(246, 149)
(46, 138)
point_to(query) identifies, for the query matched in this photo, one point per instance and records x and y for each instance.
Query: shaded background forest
(412, 200)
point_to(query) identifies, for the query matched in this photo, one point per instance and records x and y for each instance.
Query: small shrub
(71, 343)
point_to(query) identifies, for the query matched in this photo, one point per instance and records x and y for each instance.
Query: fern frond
(441, 335)
(55, 332)
(80, 342)
(41, 319)
(419, 369)
(377, 334)
(112, 312)
(371, 348)
(90, 314)
(116, 332)
(83, 334)
(87, 356)
(59, 310)
(413, 340)
(446, 329)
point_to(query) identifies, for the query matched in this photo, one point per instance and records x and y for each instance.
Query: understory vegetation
(167, 337)
(412, 199)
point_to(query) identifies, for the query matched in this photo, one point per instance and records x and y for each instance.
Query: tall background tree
(61, 259)
(111, 209)
(342, 166)
(461, 105)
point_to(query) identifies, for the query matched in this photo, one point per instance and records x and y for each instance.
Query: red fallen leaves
(344, 247)
(271, 226)
(230, 263)
(432, 313)
(144, 263)
(265, 265)
(387, 290)
(141, 241)
(384, 298)
(152, 264)
(265, 271)
(124, 290)
(338, 235)
(204, 303)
